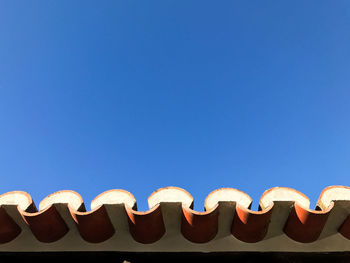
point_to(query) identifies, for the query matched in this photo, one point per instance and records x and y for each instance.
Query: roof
(284, 223)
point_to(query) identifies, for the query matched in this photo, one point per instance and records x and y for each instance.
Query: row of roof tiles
(47, 225)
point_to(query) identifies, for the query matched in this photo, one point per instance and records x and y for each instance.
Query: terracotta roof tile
(284, 222)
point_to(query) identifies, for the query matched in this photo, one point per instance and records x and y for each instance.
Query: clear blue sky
(138, 95)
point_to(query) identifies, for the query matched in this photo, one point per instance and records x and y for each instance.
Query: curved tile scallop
(282, 194)
(251, 226)
(247, 225)
(231, 206)
(94, 226)
(73, 199)
(47, 225)
(21, 199)
(146, 227)
(332, 194)
(9, 229)
(170, 194)
(199, 227)
(227, 195)
(114, 196)
(303, 224)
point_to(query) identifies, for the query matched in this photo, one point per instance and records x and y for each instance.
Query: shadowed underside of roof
(127, 257)
(284, 222)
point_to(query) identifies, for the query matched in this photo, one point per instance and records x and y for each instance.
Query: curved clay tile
(227, 195)
(247, 225)
(21, 199)
(251, 226)
(94, 226)
(146, 227)
(46, 225)
(283, 194)
(331, 194)
(114, 196)
(9, 229)
(73, 199)
(303, 224)
(326, 200)
(170, 194)
(199, 227)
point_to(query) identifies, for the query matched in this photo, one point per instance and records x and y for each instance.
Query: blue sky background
(140, 95)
